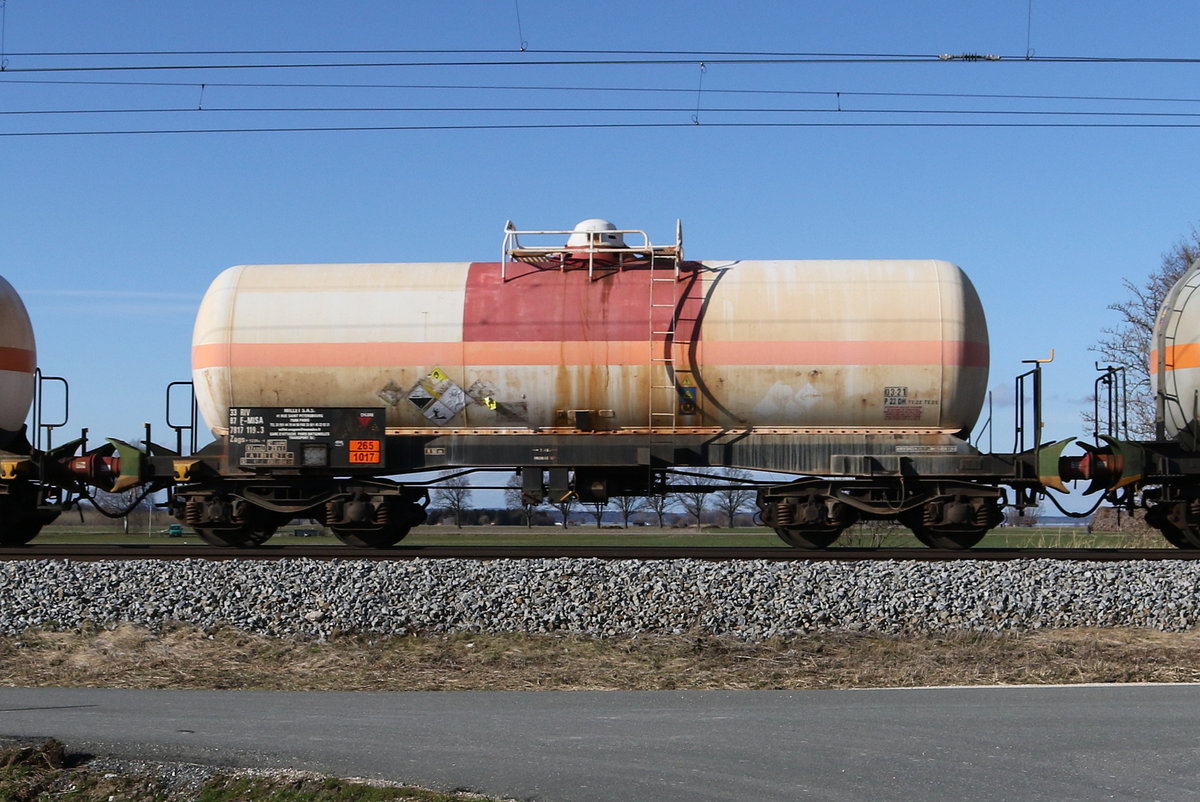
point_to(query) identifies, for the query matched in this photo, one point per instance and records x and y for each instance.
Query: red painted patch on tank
(552, 305)
(20, 360)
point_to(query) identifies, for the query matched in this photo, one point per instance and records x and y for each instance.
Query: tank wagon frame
(900, 456)
(939, 486)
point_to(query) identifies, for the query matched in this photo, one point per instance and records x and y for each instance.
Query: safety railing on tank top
(595, 254)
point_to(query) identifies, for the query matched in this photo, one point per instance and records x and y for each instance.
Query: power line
(455, 52)
(478, 63)
(645, 61)
(608, 89)
(594, 109)
(583, 126)
(782, 56)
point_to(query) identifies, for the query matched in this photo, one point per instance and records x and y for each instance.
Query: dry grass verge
(129, 657)
(34, 773)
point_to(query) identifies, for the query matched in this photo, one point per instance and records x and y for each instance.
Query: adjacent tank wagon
(1161, 476)
(35, 485)
(18, 361)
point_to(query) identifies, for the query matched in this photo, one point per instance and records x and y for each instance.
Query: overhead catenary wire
(1006, 117)
(629, 60)
(595, 126)
(522, 63)
(689, 56)
(604, 89)
(593, 110)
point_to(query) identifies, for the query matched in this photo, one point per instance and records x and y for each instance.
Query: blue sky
(112, 239)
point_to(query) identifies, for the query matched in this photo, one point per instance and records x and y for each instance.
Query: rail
(781, 553)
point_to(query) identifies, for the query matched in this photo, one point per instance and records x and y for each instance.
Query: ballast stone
(753, 600)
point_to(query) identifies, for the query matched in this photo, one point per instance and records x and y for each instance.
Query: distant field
(1009, 537)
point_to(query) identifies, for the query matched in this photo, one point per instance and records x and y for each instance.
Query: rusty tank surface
(18, 360)
(620, 339)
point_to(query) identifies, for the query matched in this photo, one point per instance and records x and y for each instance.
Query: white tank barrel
(884, 346)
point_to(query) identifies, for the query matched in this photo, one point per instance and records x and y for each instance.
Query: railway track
(713, 553)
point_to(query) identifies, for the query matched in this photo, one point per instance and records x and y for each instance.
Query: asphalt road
(1072, 743)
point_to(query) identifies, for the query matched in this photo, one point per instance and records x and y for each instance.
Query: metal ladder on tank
(664, 390)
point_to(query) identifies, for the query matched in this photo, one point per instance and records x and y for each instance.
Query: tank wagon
(1161, 476)
(36, 485)
(598, 364)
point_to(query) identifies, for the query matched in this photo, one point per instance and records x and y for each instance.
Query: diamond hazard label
(420, 397)
(438, 397)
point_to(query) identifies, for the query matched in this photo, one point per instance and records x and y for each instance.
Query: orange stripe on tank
(1177, 357)
(846, 352)
(310, 355)
(20, 360)
(391, 355)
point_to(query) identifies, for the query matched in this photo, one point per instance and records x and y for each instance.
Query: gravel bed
(752, 600)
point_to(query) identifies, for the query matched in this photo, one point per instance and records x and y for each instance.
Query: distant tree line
(708, 498)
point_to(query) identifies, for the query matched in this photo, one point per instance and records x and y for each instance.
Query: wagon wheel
(18, 533)
(254, 531)
(1186, 538)
(20, 525)
(959, 538)
(808, 537)
(1172, 520)
(241, 537)
(371, 538)
(962, 531)
(393, 520)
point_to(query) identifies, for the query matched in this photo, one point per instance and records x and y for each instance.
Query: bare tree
(564, 506)
(516, 499)
(1127, 344)
(454, 496)
(694, 499)
(660, 504)
(628, 505)
(734, 498)
(597, 511)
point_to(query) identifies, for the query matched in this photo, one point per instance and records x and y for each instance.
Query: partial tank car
(35, 485)
(18, 361)
(1162, 475)
(1175, 359)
